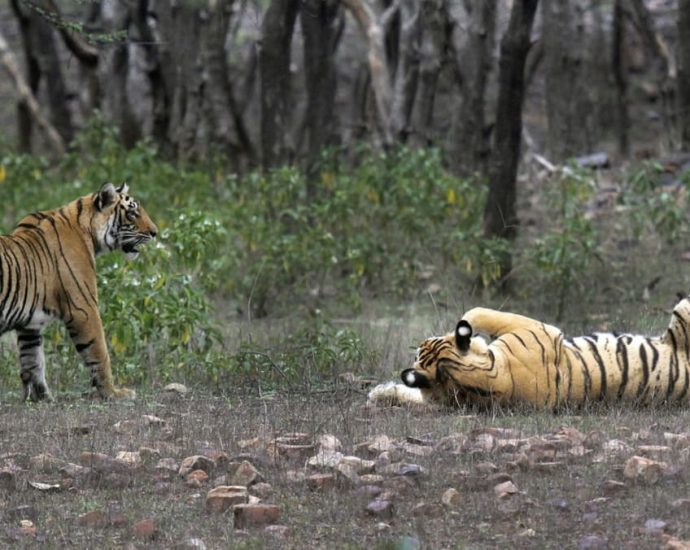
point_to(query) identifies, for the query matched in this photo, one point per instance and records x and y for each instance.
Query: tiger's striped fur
(48, 271)
(532, 362)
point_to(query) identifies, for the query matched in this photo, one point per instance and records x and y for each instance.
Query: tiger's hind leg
(32, 359)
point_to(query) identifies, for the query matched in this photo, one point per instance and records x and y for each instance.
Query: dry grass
(555, 508)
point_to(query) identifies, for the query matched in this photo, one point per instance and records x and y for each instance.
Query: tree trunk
(566, 94)
(620, 78)
(433, 16)
(319, 19)
(378, 67)
(113, 72)
(274, 67)
(27, 98)
(472, 147)
(43, 63)
(407, 69)
(500, 219)
(684, 73)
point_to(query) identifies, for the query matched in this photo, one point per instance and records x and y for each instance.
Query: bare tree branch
(373, 31)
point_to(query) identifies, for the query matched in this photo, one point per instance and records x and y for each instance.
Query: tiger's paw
(392, 394)
(122, 393)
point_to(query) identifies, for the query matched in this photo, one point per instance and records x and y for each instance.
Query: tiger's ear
(463, 335)
(123, 189)
(105, 197)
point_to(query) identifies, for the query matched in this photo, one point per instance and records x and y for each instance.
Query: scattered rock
(371, 479)
(251, 515)
(382, 527)
(144, 529)
(380, 444)
(325, 459)
(616, 447)
(380, 508)
(682, 503)
(290, 451)
(103, 463)
(679, 441)
(196, 478)
(369, 490)
(360, 465)
(427, 509)
(176, 388)
(196, 462)
(452, 444)
(451, 498)
(499, 477)
(417, 450)
(149, 454)
(611, 486)
(328, 442)
(93, 519)
(347, 473)
(194, 544)
(673, 543)
(152, 420)
(320, 481)
(133, 458)
(643, 469)
(47, 487)
(261, 489)
(246, 474)
(46, 463)
(402, 469)
(654, 527)
(223, 497)
(295, 476)
(653, 451)
(167, 466)
(505, 489)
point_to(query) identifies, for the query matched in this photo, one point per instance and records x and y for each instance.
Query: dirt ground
(519, 479)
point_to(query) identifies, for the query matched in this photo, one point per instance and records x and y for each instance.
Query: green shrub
(312, 356)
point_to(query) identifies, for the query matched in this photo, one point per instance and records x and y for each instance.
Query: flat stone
(219, 499)
(144, 529)
(252, 515)
(380, 508)
(196, 462)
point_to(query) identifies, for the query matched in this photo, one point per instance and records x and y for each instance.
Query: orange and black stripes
(529, 361)
(48, 271)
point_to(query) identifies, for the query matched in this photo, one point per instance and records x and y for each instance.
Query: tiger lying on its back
(48, 271)
(532, 362)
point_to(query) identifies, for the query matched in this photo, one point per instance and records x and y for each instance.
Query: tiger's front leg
(89, 340)
(32, 360)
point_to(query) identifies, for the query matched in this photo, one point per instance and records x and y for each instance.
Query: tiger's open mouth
(131, 246)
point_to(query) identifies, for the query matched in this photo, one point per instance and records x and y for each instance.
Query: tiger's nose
(153, 232)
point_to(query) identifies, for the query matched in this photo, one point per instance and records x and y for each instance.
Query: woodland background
(264, 84)
(334, 181)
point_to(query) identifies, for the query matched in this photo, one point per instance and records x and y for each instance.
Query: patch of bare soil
(199, 471)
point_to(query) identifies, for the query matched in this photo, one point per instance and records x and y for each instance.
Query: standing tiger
(531, 362)
(48, 271)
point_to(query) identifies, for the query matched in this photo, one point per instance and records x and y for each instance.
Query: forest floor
(86, 474)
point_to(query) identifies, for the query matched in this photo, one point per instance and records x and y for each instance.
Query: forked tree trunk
(500, 219)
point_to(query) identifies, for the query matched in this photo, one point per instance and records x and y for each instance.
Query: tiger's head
(119, 222)
(444, 365)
